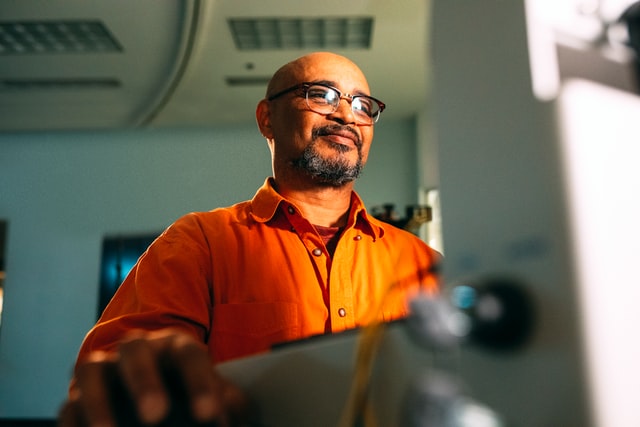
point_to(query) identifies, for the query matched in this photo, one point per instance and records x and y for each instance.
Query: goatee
(333, 171)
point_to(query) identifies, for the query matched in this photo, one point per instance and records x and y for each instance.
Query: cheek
(294, 125)
(290, 140)
(367, 138)
(365, 154)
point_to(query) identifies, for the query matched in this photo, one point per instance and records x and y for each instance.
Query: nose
(343, 112)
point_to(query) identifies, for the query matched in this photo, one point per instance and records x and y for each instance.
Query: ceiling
(167, 63)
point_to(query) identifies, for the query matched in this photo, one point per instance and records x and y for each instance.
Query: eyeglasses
(325, 99)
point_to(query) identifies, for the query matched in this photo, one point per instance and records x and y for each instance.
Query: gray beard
(332, 172)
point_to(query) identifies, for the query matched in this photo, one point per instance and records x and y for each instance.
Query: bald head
(300, 69)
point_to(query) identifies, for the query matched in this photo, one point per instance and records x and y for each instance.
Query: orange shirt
(255, 274)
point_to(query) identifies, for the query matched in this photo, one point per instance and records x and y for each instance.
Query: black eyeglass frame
(307, 85)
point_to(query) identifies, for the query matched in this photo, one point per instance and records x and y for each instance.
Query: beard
(332, 171)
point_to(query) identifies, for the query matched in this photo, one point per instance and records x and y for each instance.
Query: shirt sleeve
(169, 286)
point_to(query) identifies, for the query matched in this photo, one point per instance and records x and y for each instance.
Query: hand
(154, 379)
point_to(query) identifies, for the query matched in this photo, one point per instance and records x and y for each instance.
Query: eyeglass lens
(326, 100)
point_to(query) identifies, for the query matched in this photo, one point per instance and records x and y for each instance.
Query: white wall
(62, 192)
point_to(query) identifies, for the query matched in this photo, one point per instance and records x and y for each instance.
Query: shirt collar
(266, 201)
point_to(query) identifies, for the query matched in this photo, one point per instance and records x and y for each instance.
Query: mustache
(337, 129)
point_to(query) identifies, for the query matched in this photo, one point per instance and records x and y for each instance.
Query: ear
(263, 118)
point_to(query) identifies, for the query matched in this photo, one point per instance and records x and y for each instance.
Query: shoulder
(236, 212)
(208, 222)
(404, 240)
(393, 232)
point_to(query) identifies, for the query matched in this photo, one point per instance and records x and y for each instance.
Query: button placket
(311, 241)
(342, 295)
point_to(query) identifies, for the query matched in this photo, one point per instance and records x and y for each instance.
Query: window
(119, 255)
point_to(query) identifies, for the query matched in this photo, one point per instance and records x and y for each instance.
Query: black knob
(501, 312)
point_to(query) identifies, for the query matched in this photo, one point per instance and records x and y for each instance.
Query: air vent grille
(38, 37)
(301, 33)
(53, 84)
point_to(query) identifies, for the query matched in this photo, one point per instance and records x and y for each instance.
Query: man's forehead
(328, 68)
(346, 78)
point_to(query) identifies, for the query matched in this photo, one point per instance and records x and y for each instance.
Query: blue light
(463, 296)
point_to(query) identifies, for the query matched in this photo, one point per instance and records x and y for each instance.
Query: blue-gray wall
(61, 193)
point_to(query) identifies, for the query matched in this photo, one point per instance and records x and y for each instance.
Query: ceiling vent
(36, 37)
(301, 33)
(58, 84)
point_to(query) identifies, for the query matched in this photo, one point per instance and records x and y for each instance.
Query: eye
(363, 105)
(321, 94)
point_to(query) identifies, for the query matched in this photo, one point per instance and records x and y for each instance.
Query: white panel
(503, 209)
(602, 151)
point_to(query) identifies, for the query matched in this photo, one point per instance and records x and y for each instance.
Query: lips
(341, 132)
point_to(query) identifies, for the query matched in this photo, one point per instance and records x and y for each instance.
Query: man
(301, 258)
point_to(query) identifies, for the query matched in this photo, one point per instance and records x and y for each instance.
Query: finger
(95, 393)
(70, 415)
(239, 409)
(199, 380)
(141, 375)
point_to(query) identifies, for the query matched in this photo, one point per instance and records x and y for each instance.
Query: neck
(321, 205)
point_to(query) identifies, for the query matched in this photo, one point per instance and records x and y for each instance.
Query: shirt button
(342, 312)
(291, 210)
(317, 252)
(358, 237)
